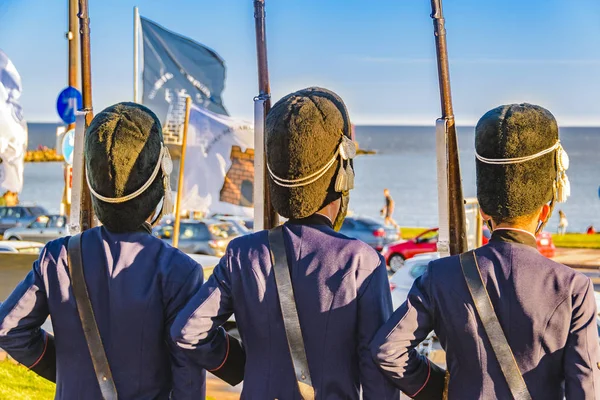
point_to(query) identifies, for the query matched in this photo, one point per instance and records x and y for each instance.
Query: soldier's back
(341, 292)
(537, 302)
(136, 284)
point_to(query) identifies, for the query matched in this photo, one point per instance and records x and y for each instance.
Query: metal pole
(86, 218)
(72, 81)
(188, 104)
(136, 52)
(261, 194)
(456, 207)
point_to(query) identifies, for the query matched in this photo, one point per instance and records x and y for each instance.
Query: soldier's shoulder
(445, 266)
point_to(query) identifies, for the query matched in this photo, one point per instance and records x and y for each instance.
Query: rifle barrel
(264, 89)
(86, 217)
(456, 207)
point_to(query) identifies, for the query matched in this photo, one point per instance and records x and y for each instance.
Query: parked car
(402, 280)
(44, 229)
(20, 247)
(209, 237)
(370, 231)
(243, 224)
(18, 216)
(397, 253)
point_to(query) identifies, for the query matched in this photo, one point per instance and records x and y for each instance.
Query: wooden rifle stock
(86, 216)
(264, 93)
(456, 207)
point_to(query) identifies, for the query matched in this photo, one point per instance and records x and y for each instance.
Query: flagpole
(136, 52)
(86, 217)
(176, 225)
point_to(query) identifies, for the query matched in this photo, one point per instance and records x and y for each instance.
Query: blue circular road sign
(68, 146)
(69, 101)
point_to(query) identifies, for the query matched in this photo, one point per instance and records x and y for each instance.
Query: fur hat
(508, 189)
(122, 147)
(305, 131)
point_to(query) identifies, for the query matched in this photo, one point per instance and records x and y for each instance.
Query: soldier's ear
(484, 215)
(544, 213)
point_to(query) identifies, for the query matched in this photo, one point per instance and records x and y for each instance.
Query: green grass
(18, 383)
(409, 232)
(577, 240)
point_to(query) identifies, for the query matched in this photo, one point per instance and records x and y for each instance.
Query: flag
(13, 129)
(176, 67)
(219, 164)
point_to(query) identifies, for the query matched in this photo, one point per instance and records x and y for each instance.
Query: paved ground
(220, 390)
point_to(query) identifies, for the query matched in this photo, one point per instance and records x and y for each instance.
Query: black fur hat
(508, 191)
(122, 146)
(303, 132)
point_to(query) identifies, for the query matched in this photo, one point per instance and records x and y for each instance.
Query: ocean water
(404, 163)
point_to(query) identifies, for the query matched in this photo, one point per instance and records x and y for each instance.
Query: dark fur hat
(516, 130)
(303, 132)
(122, 147)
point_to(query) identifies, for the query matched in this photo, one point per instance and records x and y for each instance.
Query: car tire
(396, 262)
(13, 238)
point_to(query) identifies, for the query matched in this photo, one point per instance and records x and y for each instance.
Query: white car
(402, 280)
(597, 294)
(20, 247)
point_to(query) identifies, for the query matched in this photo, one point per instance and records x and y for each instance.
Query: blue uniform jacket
(342, 295)
(547, 312)
(137, 285)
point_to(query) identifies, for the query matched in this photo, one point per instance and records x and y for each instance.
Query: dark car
(369, 230)
(43, 229)
(208, 237)
(18, 216)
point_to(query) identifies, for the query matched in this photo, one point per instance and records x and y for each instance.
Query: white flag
(13, 129)
(219, 164)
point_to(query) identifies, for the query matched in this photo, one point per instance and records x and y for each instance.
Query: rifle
(452, 233)
(81, 210)
(265, 216)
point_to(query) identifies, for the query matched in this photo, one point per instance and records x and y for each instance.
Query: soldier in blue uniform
(341, 288)
(136, 283)
(546, 311)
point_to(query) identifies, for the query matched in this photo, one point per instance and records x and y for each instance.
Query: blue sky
(379, 55)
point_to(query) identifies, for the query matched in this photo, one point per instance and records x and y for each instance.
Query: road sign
(68, 102)
(68, 145)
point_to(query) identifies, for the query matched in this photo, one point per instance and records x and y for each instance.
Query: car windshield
(224, 230)
(418, 269)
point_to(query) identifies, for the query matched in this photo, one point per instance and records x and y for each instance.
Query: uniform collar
(315, 219)
(513, 235)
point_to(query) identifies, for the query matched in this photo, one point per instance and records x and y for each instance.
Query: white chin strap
(163, 164)
(562, 186)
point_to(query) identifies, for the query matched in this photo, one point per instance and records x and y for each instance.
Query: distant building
(238, 187)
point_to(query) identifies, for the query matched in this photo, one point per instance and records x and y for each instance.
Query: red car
(396, 253)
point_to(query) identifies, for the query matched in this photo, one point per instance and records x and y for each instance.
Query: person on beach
(388, 210)
(332, 289)
(136, 283)
(513, 323)
(562, 223)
